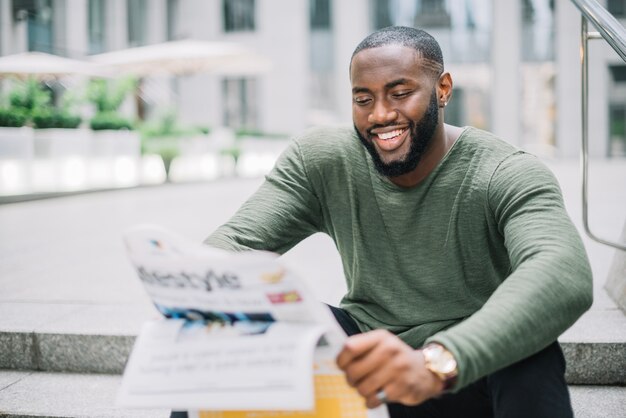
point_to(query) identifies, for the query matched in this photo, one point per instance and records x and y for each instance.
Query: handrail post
(585, 35)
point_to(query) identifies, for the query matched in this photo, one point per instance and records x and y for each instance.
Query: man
(461, 263)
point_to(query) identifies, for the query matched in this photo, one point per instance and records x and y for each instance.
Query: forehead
(387, 62)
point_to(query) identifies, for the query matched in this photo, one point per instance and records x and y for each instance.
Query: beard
(421, 135)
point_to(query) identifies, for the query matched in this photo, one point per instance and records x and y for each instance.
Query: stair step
(61, 395)
(98, 339)
(598, 401)
(588, 363)
(43, 394)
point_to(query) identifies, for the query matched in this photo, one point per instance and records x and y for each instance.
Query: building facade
(515, 64)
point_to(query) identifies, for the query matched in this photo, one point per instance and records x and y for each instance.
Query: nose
(381, 114)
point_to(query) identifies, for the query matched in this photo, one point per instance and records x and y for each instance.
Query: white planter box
(62, 143)
(16, 156)
(115, 159)
(61, 158)
(197, 145)
(111, 143)
(16, 143)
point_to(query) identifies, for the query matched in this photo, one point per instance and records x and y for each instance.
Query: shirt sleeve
(550, 284)
(280, 214)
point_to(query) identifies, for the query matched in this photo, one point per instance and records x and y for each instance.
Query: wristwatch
(441, 362)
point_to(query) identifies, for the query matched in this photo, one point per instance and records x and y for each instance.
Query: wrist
(441, 362)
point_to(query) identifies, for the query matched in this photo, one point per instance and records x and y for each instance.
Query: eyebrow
(388, 86)
(397, 82)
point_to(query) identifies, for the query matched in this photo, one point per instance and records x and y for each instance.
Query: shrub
(13, 118)
(166, 125)
(110, 120)
(46, 119)
(234, 152)
(205, 130)
(245, 132)
(30, 96)
(107, 96)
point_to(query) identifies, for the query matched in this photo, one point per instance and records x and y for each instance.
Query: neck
(444, 137)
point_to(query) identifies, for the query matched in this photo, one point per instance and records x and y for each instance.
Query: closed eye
(361, 101)
(401, 94)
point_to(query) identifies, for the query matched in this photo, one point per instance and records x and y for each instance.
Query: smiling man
(462, 265)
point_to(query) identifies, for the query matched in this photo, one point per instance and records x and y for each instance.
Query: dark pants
(534, 387)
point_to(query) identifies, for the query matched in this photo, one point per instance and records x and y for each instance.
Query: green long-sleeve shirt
(481, 256)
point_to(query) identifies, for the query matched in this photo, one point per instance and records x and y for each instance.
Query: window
(463, 28)
(38, 15)
(240, 103)
(432, 14)
(97, 19)
(617, 130)
(238, 15)
(617, 8)
(538, 30)
(618, 72)
(617, 111)
(320, 15)
(137, 24)
(172, 19)
(382, 14)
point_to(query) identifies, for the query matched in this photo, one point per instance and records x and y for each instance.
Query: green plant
(234, 152)
(30, 96)
(110, 120)
(13, 117)
(204, 130)
(245, 132)
(168, 155)
(167, 126)
(108, 96)
(167, 147)
(164, 126)
(48, 118)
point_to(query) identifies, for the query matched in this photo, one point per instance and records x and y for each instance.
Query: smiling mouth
(390, 135)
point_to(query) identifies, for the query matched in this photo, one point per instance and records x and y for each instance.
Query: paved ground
(69, 250)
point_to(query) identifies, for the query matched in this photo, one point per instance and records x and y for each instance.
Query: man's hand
(379, 360)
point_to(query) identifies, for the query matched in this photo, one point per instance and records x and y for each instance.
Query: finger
(373, 369)
(358, 345)
(398, 375)
(379, 378)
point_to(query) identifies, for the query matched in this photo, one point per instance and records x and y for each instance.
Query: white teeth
(389, 135)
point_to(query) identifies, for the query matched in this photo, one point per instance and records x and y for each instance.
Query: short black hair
(420, 40)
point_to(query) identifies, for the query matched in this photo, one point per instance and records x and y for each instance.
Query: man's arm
(550, 284)
(281, 213)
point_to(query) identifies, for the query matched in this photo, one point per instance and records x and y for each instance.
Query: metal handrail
(614, 34)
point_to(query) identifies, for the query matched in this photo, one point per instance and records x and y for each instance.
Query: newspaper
(241, 333)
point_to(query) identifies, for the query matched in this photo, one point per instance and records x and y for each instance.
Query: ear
(444, 89)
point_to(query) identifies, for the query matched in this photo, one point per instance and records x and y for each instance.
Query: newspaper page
(240, 333)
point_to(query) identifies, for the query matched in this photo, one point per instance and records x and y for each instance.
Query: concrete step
(598, 401)
(587, 363)
(98, 339)
(43, 394)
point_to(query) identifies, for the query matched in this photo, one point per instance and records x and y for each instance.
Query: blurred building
(515, 64)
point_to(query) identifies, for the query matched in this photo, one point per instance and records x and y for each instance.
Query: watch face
(440, 360)
(446, 363)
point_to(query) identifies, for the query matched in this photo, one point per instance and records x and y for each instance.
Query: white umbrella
(184, 57)
(44, 66)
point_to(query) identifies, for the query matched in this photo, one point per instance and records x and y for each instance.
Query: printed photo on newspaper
(240, 333)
